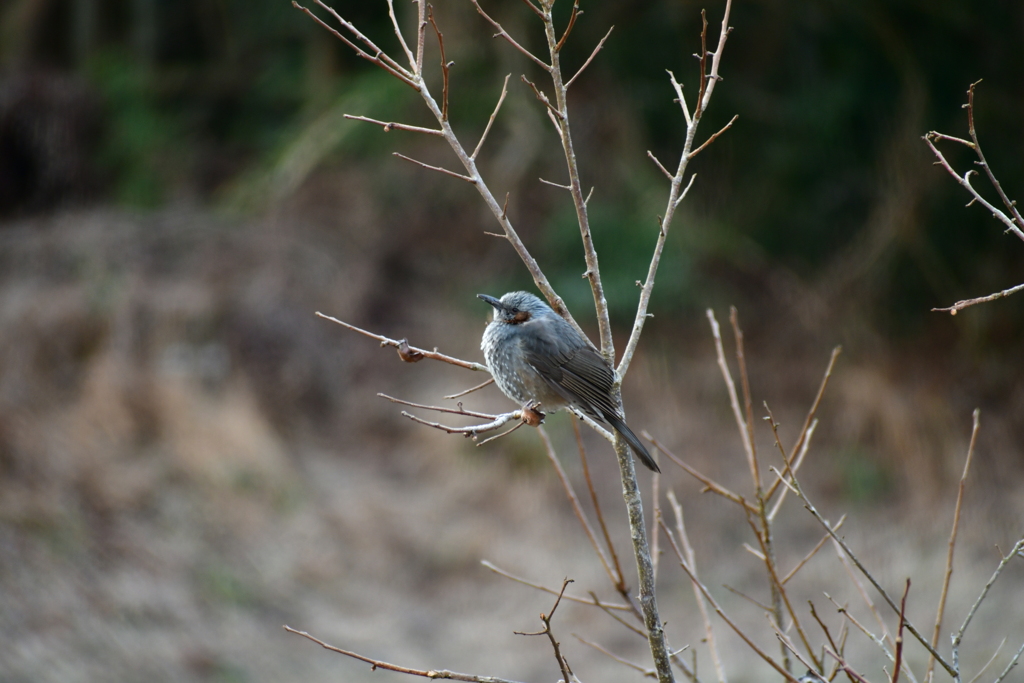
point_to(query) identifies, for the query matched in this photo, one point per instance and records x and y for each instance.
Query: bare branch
(421, 33)
(620, 581)
(559, 186)
(440, 409)
(396, 71)
(472, 430)
(1013, 663)
(504, 34)
(471, 389)
(748, 445)
(664, 170)
(563, 665)
(710, 484)
(716, 59)
(397, 343)
(736, 629)
(984, 592)
(965, 182)
(714, 137)
(545, 589)
(959, 305)
(577, 509)
(401, 38)
(590, 58)
(453, 174)
(490, 121)
(846, 667)
(952, 544)
(649, 673)
(444, 64)
(389, 126)
(899, 635)
(808, 556)
(681, 99)
(1011, 206)
(378, 664)
(568, 29)
(709, 632)
(800, 448)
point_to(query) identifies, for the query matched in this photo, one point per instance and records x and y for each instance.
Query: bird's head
(515, 308)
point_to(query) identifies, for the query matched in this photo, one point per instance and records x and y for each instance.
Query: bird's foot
(532, 414)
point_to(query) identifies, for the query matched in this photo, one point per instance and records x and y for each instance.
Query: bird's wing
(575, 371)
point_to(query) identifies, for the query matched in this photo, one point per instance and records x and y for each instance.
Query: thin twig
(440, 409)
(563, 665)
(1013, 663)
(471, 389)
(385, 341)
(721, 613)
(794, 484)
(498, 436)
(800, 448)
(504, 34)
(444, 64)
(649, 673)
(388, 126)
(899, 634)
(439, 169)
(378, 664)
(545, 589)
(398, 32)
(960, 305)
(984, 592)
(709, 484)
(952, 544)
(620, 583)
(684, 539)
(714, 137)
(1011, 206)
(730, 386)
(846, 667)
(577, 509)
(811, 554)
(472, 430)
(664, 170)
(568, 29)
(490, 122)
(589, 59)
(752, 601)
(991, 659)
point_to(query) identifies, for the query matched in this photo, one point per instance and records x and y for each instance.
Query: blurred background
(190, 459)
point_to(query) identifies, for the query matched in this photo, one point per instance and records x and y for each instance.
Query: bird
(536, 356)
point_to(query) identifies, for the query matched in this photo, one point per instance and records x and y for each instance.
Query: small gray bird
(535, 355)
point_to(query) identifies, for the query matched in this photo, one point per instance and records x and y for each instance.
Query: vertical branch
(444, 64)
(952, 544)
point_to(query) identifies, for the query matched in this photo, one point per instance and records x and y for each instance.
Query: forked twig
(563, 665)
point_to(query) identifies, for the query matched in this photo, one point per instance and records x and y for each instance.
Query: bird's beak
(491, 300)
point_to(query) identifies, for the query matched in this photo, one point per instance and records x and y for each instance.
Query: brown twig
(593, 54)
(378, 664)
(960, 305)
(1011, 206)
(472, 430)
(691, 561)
(649, 673)
(511, 41)
(714, 137)
(577, 509)
(721, 613)
(388, 126)
(664, 170)
(440, 409)
(545, 589)
(490, 122)
(805, 431)
(709, 484)
(439, 169)
(445, 64)
(755, 473)
(470, 390)
(795, 486)
(952, 544)
(812, 553)
(568, 29)
(386, 341)
(620, 583)
(563, 665)
(828, 635)
(899, 634)
(752, 601)
(846, 667)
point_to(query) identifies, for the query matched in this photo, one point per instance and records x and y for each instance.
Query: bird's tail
(622, 428)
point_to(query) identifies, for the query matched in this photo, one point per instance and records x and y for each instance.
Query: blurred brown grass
(190, 459)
